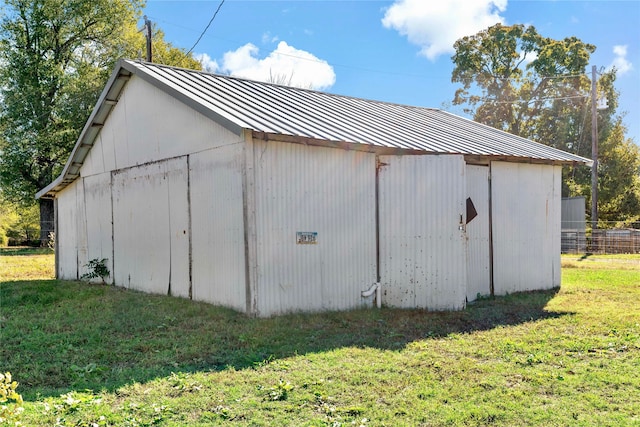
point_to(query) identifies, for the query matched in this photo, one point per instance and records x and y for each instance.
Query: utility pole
(594, 150)
(147, 25)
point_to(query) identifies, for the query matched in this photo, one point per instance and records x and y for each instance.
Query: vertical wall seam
(113, 245)
(491, 269)
(86, 219)
(377, 217)
(168, 179)
(252, 235)
(57, 237)
(189, 222)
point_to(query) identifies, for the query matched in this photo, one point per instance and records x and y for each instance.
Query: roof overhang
(368, 148)
(108, 99)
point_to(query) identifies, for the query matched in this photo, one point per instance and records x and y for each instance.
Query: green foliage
(514, 79)
(524, 79)
(618, 178)
(10, 401)
(18, 222)
(55, 57)
(96, 268)
(280, 391)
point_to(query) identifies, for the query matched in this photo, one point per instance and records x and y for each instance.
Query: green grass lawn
(93, 355)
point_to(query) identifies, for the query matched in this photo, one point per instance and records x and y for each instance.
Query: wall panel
(526, 226)
(328, 195)
(477, 231)
(67, 234)
(81, 230)
(151, 240)
(218, 227)
(97, 198)
(422, 247)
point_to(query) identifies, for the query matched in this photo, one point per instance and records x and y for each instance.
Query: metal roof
(271, 110)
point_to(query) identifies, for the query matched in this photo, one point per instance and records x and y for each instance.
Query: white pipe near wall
(374, 288)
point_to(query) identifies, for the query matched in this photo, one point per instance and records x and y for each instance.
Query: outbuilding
(271, 199)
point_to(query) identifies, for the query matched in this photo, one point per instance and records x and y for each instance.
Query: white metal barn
(272, 199)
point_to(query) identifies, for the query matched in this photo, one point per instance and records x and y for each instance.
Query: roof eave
(370, 148)
(107, 100)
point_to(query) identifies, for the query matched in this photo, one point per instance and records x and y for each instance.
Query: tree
(55, 57)
(17, 222)
(514, 79)
(618, 179)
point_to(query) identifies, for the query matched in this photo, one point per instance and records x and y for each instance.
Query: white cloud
(268, 38)
(620, 62)
(436, 25)
(208, 64)
(286, 65)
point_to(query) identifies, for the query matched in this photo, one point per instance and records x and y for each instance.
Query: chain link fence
(601, 241)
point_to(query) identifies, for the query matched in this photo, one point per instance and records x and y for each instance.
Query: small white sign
(307, 237)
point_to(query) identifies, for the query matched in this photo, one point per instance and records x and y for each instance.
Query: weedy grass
(98, 355)
(20, 263)
(603, 262)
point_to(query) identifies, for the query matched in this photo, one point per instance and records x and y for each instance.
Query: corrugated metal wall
(526, 226)
(573, 213)
(218, 226)
(67, 233)
(422, 247)
(308, 189)
(97, 199)
(478, 260)
(81, 229)
(151, 227)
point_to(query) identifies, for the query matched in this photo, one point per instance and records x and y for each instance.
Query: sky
(394, 51)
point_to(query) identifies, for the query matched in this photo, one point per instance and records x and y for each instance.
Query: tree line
(56, 56)
(514, 79)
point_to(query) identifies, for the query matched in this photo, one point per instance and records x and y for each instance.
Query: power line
(317, 60)
(561, 76)
(205, 30)
(559, 98)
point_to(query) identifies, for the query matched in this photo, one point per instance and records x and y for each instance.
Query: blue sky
(396, 51)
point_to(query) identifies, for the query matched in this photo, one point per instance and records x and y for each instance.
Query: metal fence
(603, 241)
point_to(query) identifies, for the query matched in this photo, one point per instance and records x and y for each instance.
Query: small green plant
(280, 391)
(97, 268)
(10, 400)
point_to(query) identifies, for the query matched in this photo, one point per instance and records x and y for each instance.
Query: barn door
(478, 242)
(422, 258)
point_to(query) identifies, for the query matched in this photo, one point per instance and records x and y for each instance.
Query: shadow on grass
(60, 336)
